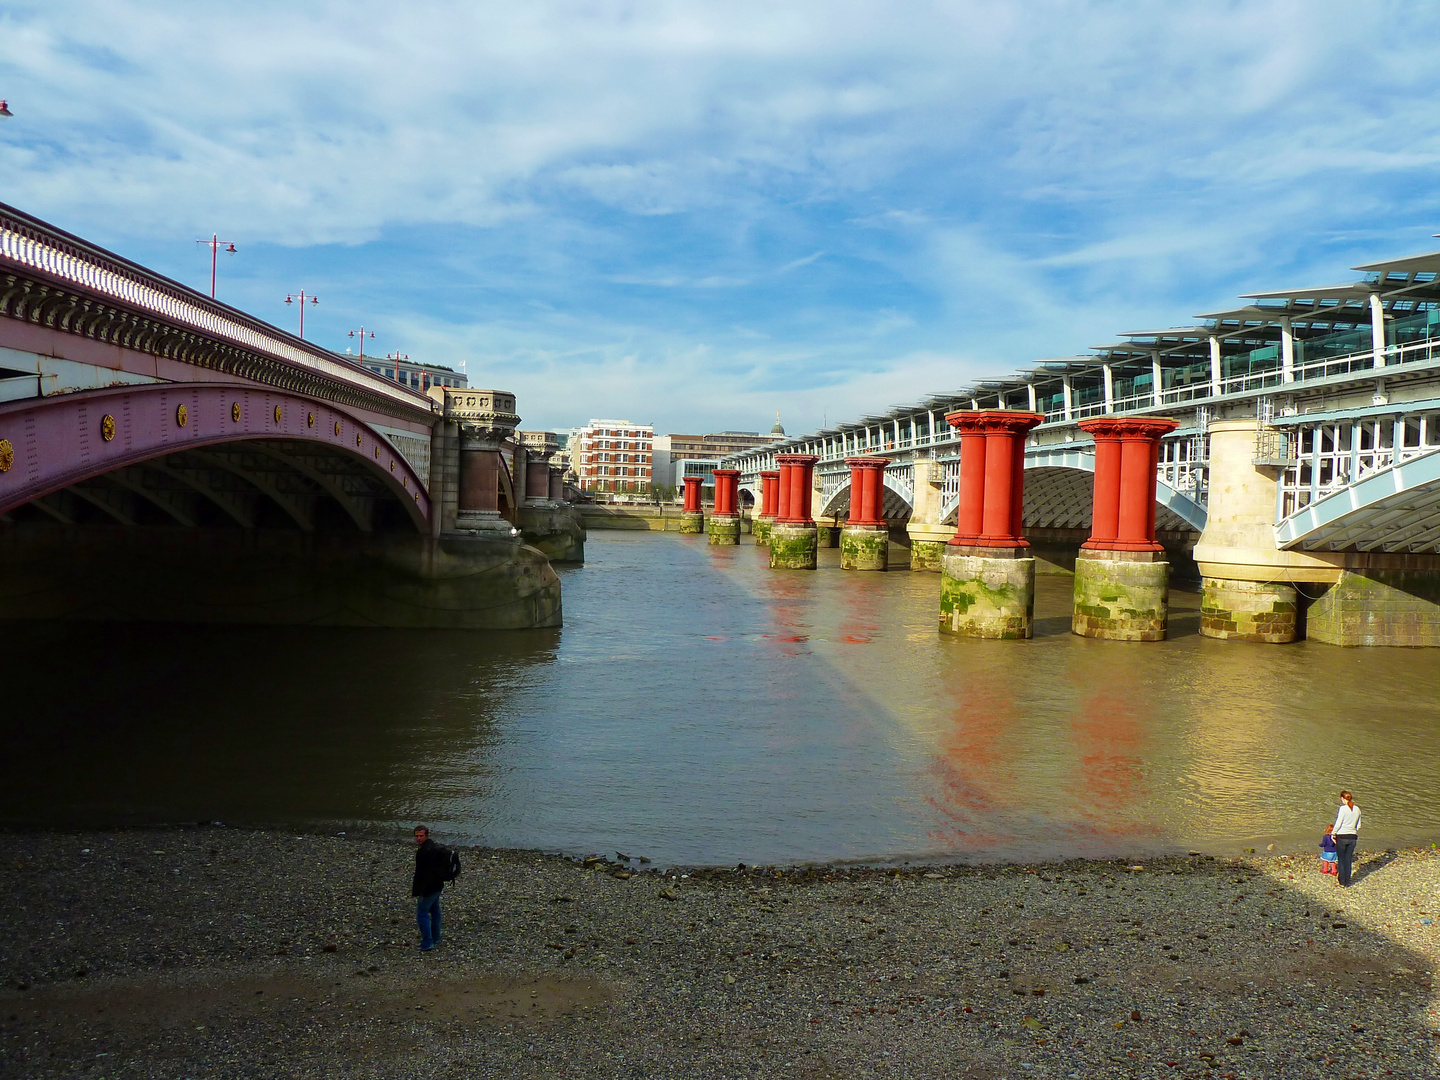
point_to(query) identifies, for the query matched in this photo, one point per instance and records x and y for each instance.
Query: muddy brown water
(699, 708)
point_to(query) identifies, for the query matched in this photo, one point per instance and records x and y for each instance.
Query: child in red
(1327, 852)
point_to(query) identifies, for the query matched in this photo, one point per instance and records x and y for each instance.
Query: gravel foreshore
(216, 952)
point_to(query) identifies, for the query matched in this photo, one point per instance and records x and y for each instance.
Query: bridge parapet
(50, 277)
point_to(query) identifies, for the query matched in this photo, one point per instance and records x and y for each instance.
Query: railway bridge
(167, 457)
(1299, 478)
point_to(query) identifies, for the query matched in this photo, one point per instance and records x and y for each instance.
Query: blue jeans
(427, 914)
(1344, 856)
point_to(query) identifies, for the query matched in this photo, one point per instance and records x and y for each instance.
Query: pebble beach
(220, 952)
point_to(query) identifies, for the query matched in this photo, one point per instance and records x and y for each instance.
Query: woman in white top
(1346, 832)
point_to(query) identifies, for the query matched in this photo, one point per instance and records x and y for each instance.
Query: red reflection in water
(974, 770)
(789, 600)
(1109, 739)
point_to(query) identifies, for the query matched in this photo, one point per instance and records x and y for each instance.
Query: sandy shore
(226, 953)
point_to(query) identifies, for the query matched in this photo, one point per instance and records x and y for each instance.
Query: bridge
(1301, 476)
(167, 457)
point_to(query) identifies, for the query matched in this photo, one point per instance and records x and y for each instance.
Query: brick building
(613, 455)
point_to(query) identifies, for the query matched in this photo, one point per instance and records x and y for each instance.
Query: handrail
(26, 241)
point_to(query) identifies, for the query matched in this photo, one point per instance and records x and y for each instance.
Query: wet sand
(228, 953)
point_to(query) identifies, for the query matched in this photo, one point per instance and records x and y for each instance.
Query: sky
(698, 215)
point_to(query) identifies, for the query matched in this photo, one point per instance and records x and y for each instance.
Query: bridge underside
(220, 504)
(256, 484)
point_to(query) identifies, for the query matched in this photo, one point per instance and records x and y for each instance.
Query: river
(698, 708)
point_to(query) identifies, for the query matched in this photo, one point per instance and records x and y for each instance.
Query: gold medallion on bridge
(7, 455)
(310, 419)
(377, 453)
(337, 427)
(235, 411)
(278, 414)
(182, 415)
(107, 427)
(392, 464)
(359, 438)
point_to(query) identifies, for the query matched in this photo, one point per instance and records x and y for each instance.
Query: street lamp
(214, 244)
(397, 356)
(302, 298)
(361, 334)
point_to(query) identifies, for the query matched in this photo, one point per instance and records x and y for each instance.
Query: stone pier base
(558, 530)
(1262, 611)
(458, 581)
(827, 536)
(1378, 607)
(987, 592)
(1121, 595)
(864, 547)
(760, 529)
(692, 521)
(792, 547)
(927, 555)
(724, 530)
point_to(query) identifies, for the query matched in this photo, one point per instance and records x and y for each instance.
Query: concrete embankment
(230, 953)
(637, 516)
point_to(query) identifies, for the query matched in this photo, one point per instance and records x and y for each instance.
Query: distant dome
(777, 429)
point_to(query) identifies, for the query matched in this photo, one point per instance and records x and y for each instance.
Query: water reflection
(698, 707)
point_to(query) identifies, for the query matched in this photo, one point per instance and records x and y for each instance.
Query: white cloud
(736, 206)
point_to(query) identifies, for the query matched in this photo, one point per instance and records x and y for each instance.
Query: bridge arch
(196, 453)
(1393, 510)
(899, 498)
(1059, 494)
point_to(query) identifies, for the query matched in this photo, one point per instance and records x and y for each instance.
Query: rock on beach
(223, 952)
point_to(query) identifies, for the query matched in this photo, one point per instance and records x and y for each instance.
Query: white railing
(29, 243)
(1331, 455)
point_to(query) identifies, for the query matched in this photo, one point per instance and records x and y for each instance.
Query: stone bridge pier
(1122, 578)
(865, 538)
(794, 538)
(725, 519)
(987, 582)
(769, 505)
(692, 514)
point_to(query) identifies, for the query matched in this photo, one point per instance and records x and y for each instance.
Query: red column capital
(867, 500)
(1126, 453)
(992, 475)
(769, 493)
(727, 491)
(797, 480)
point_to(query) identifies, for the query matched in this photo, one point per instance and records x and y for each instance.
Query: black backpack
(453, 870)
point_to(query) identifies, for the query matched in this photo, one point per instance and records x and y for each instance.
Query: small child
(1327, 852)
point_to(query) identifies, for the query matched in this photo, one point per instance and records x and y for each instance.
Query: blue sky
(698, 214)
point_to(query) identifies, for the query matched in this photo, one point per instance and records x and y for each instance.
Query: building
(419, 377)
(676, 454)
(613, 455)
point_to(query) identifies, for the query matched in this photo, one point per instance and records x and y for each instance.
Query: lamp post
(361, 335)
(397, 356)
(214, 244)
(302, 298)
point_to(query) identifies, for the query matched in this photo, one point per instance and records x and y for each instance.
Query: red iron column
(1122, 579)
(725, 520)
(987, 579)
(970, 512)
(795, 495)
(692, 494)
(1127, 452)
(692, 517)
(866, 486)
(865, 540)
(769, 500)
(793, 534)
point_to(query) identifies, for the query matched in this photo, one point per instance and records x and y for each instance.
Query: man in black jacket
(432, 870)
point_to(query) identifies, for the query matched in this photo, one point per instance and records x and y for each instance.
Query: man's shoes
(426, 948)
